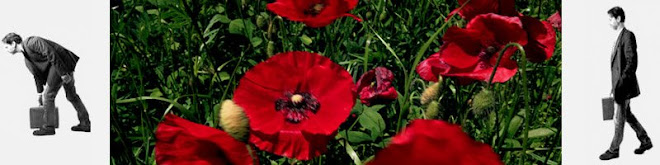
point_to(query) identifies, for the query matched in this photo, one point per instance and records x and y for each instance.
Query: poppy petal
(179, 141)
(435, 142)
(542, 39)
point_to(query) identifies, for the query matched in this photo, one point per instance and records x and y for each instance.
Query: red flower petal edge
(314, 13)
(435, 142)
(179, 141)
(295, 101)
(375, 87)
(541, 39)
(470, 53)
(555, 20)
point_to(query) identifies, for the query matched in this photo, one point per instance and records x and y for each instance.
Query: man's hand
(66, 78)
(40, 99)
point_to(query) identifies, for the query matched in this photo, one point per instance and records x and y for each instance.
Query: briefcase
(37, 117)
(608, 108)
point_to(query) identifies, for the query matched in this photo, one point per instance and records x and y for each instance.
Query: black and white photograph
(611, 91)
(55, 82)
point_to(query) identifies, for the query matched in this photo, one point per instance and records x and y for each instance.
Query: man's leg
(640, 131)
(619, 122)
(54, 84)
(73, 97)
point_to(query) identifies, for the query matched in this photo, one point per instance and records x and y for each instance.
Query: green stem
(177, 105)
(366, 53)
(418, 57)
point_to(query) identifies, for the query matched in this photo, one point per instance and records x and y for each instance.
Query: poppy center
(487, 53)
(296, 106)
(314, 9)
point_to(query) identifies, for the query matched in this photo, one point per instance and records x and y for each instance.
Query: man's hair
(617, 11)
(12, 37)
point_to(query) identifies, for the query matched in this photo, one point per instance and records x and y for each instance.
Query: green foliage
(187, 56)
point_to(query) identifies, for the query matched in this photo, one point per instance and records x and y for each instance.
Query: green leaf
(358, 137)
(223, 76)
(241, 27)
(375, 107)
(540, 132)
(374, 122)
(220, 9)
(152, 11)
(256, 41)
(512, 143)
(515, 123)
(305, 39)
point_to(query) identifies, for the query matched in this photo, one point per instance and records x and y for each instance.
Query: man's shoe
(609, 155)
(643, 148)
(44, 131)
(81, 128)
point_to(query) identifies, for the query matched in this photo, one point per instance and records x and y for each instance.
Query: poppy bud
(482, 101)
(430, 93)
(369, 14)
(270, 49)
(233, 120)
(432, 110)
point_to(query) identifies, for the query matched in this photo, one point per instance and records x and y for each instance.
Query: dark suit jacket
(41, 55)
(624, 66)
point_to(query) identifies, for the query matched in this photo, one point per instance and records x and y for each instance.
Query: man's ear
(618, 19)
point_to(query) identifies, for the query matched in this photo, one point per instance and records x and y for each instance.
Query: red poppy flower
(555, 19)
(314, 13)
(541, 39)
(435, 142)
(295, 102)
(478, 7)
(375, 87)
(179, 141)
(471, 53)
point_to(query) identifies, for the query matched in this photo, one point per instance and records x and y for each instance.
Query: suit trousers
(623, 115)
(54, 84)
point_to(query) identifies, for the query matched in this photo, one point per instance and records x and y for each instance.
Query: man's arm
(630, 51)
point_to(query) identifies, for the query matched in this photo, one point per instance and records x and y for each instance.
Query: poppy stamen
(315, 9)
(295, 107)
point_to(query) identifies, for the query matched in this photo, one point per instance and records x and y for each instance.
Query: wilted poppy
(375, 87)
(471, 53)
(478, 7)
(555, 19)
(314, 13)
(541, 39)
(295, 101)
(435, 142)
(179, 141)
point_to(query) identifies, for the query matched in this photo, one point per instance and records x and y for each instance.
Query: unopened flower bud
(482, 101)
(234, 121)
(270, 49)
(432, 110)
(430, 93)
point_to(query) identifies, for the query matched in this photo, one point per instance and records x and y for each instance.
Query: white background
(81, 26)
(586, 78)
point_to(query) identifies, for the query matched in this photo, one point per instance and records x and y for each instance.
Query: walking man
(624, 85)
(51, 65)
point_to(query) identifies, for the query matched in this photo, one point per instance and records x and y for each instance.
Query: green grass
(186, 56)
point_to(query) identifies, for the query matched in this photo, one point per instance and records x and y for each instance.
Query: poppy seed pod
(430, 93)
(432, 110)
(482, 101)
(233, 120)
